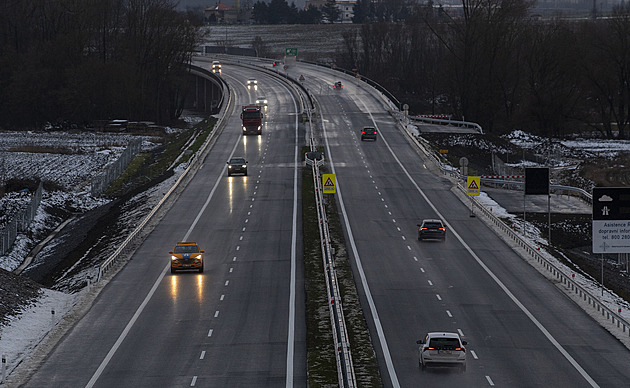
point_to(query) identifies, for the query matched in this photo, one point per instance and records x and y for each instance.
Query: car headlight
(173, 258)
(243, 166)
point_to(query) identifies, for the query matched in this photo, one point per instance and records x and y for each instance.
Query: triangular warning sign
(329, 183)
(473, 185)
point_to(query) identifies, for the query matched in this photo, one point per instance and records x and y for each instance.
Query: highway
(241, 322)
(522, 331)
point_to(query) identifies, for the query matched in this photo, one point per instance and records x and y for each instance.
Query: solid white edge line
(546, 333)
(292, 286)
(133, 319)
(377, 322)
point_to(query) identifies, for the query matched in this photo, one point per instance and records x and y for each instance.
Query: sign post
(473, 188)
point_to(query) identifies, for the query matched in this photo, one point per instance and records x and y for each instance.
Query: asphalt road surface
(241, 322)
(522, 331)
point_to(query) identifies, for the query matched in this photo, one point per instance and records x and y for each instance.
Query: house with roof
(221, 13)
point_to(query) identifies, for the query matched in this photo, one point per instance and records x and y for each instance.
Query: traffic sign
(473, 186)
(611, 220)
(290, 52)
(329, 184)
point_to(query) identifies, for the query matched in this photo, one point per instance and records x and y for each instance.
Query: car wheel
(201, 269)
(245, 173)
(423, 367)
(172, 270)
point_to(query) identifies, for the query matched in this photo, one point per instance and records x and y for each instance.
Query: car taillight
(461, 349)
(429, 348)
(442, 229)
(423, 228)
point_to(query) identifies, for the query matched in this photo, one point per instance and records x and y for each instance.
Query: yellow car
(186, 255)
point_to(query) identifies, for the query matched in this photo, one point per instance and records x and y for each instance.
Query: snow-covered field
(22, 333)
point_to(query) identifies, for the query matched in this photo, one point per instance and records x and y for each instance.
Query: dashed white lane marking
(231, 269)
(474, 354)
(422, 269)
(247, 220)
(238, 247)
(216, 313)
(490, 381)
(461, 333)
(240, 238)
(222, 297)
(194, 381)
(227, 282)
(394, 221)
(449, 314)
(430, 282)
(243, 229)
(210, 332)
(234, 259)
(438, 296)
(403, 237)
(203, 354)
(408, 247)
(397, 227)
(248, 213)
(415, 258)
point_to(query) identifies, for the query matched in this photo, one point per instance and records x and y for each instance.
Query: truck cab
(252, 119)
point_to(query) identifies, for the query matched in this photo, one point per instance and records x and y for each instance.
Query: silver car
(442, 349)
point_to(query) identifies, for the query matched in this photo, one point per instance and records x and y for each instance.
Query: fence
(20, 222)
(113, 171)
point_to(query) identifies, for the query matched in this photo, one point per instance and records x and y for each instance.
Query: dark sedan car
(431, 229)
(368, 133)
(237, 165)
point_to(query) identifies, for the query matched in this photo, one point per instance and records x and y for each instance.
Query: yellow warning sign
(329, 184)
(473, 185)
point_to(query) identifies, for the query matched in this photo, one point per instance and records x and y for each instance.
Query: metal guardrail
(345, 369)
(186, 175)
(567, 280)
(557, 189)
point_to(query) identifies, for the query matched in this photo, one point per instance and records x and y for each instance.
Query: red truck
(252, 119)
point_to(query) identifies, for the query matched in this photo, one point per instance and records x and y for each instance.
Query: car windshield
(432, 225)
(186, 249)
(237, 161)
(444, 343)
(251, 115)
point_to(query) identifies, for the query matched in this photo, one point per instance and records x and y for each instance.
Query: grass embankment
(150, 166)
(322, 368)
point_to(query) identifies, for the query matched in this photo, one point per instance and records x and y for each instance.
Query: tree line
(76, 61)
(496, 65)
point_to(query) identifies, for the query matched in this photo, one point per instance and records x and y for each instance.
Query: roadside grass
(149, 167)
(321, 362)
